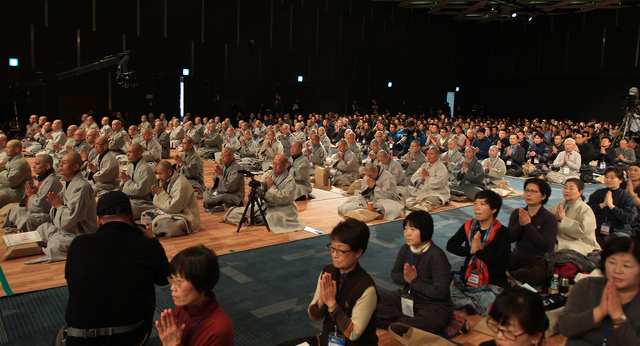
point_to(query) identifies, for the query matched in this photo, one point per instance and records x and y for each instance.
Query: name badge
(509, 162)
(336, 339)
(565, 170)
(605, 228)
(536, 161)
(474, 279)
(603, 165)
(407, 305)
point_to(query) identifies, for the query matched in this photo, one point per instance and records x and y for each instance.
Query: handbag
(415, 337)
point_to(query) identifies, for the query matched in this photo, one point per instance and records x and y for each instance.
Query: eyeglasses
(175, 282)
(531, 192)
(507, 334)
(333, 249)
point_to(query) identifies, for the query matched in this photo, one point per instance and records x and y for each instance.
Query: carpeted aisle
(265, 291)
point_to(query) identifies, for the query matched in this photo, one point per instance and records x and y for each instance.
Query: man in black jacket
(111, 276)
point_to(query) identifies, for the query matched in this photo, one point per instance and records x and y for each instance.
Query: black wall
(554, 66)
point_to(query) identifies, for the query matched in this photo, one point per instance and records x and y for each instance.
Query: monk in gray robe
(277, 188)
(248, 146)
(315, 152)
(175, 203)
(413, 160)
(299, 168)
(55, 138)
(177, 134)
(471, 176)
(379, 188)
(286, 138)
(116, 138)
(163, 139)
(270, 148)
(104, 171)
(431, 180)
(494, 168)
(73, 211)
(452, 159)
(212, 139)
(345, 170)
(13, 174)
(190, 164)
(388, 164)
(137, 181)
(325, 140)
(152, 149)
(228, 184)
(36, 210)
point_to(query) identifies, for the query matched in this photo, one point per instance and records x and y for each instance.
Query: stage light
(300, 79)
(389, 85)
(13, 62)
(514, 14)
(457, 89)
(530, 18)
(185, 71)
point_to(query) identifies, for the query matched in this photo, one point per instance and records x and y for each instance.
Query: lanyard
(607, 327)
(192, 329)
(344, 277)
(419, 258)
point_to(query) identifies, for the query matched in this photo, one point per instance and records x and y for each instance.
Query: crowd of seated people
(420, 158)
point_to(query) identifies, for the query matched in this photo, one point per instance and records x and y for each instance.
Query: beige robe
(178, 200)
(300, 170)
(12, 179)
(577, 230)
(282, 211)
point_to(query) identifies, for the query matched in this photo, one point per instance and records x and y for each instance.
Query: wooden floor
(319, 213)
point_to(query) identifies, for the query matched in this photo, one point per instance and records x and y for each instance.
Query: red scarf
(476, 264)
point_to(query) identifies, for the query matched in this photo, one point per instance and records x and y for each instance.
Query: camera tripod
(254, 201)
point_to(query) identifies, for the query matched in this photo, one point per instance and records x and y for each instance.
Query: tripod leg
(244, 215)
(264, 216)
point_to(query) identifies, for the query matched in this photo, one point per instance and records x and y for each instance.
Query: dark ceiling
(489, 10)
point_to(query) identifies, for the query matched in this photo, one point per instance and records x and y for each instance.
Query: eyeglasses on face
(336, 250)
(531, 192)
(175, 282)
(493, 326)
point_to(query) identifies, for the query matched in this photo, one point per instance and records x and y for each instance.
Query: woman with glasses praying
(198, 318)
(346, 296)
(517, 318)
(534, 230)
(423, 270)
(576, 221)
(613, 206)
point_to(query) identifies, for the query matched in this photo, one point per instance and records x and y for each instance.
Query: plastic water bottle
(554, 285)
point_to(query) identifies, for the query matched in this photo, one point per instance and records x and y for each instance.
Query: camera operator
(228, 184)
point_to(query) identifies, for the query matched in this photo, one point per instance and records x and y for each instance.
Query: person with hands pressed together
(198, 318)
(613, 206)
(37, 208)
(486, 245)
(13, 174)
(346, 296)
(104, 170)
(576, 221)
(605, 310)
(423, 270)
(633, 187)
(73, 212)
(534, 230)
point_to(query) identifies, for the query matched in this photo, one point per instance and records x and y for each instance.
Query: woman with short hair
(576, 221)
(517, 318)
(422, 268)
(198, 318)
(534, 230)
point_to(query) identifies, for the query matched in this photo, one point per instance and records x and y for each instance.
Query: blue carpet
(264, 291)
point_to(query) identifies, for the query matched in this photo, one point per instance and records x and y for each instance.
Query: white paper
(22, 238)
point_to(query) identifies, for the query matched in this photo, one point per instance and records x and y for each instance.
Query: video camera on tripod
(255, 201)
